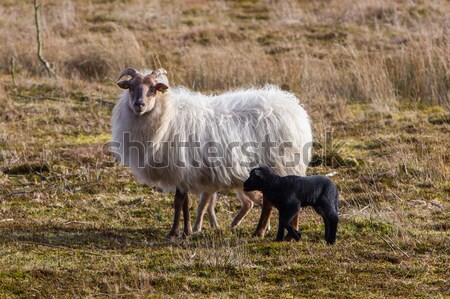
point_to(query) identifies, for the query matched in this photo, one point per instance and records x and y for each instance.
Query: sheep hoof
(259, 234)
(171, 239)
(187, 233)
(173, 235)
(198, 235)
(262, 233)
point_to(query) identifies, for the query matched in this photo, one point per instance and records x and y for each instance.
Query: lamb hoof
(289, 237)
(261, 233)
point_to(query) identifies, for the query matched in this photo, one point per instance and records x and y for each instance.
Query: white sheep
(188, 142)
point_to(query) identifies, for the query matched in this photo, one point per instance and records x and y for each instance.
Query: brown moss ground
(75, 225)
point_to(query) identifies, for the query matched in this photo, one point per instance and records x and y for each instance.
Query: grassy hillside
(374, 75)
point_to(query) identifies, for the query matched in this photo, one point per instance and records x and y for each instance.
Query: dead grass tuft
(379, 52)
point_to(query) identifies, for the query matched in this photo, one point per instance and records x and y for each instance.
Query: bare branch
(37, 98)
(12, 69)
(38, 38)
(105, 103)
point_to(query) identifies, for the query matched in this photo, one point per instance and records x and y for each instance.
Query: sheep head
(143, 89)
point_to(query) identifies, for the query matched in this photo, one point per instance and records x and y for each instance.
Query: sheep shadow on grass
(81, 237)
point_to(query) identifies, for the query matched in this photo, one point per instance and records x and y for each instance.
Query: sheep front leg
(246, 206)
(264, 219)
(179, 200)
(186, 219)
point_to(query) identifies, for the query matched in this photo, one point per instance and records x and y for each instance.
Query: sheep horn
(128, 71)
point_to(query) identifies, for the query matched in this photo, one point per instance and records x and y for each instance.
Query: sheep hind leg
(204, 202)
(257, 198)
(246, 206)
(179, 200)
(264, 219)
(211, 211)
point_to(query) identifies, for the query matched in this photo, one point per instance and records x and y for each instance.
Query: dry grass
(374, 73)
(375, 51)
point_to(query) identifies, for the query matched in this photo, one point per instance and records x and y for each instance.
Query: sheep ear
(124, 84)
(161, 87)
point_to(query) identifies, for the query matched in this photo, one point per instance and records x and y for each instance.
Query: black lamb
(289, 193)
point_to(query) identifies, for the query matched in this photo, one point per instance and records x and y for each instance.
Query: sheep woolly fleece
(236, 117)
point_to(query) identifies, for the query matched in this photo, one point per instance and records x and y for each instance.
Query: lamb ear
(123, 84)
(259, 173)
(161, 87)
